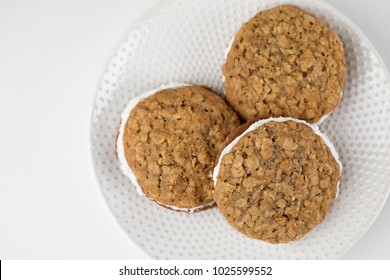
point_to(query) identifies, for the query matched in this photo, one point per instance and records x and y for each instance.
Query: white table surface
(52, 56)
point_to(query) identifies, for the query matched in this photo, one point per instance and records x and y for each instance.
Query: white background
(52, 56)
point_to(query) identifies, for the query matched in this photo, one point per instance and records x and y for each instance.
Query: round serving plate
(185, 41)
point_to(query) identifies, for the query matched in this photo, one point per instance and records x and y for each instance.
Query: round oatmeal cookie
(276, 179)
(284, 62)
(168, 141)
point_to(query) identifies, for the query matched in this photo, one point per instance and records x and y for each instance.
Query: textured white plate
(185, 41)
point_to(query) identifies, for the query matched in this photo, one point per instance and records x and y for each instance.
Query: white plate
(185, 41)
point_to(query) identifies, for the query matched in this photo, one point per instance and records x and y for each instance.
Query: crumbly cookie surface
(171, 140)
(277, 182)
(285, 62)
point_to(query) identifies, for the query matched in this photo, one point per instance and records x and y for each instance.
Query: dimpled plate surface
(185, 41)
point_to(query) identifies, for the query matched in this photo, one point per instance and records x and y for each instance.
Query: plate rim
(382, 64)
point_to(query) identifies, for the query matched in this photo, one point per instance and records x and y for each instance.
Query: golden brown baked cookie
(168, 142)
(285, 62)
(276, 179)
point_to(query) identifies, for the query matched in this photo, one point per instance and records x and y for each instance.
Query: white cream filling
(259, 123)
(225, 58)
(230, 45)
(121, 150)
(323, 118)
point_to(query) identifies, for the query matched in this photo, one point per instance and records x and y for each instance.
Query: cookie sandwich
(168, 141)
(276, 179)
(284, 62)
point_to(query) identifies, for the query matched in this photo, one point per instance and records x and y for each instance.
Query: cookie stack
(273, 178)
